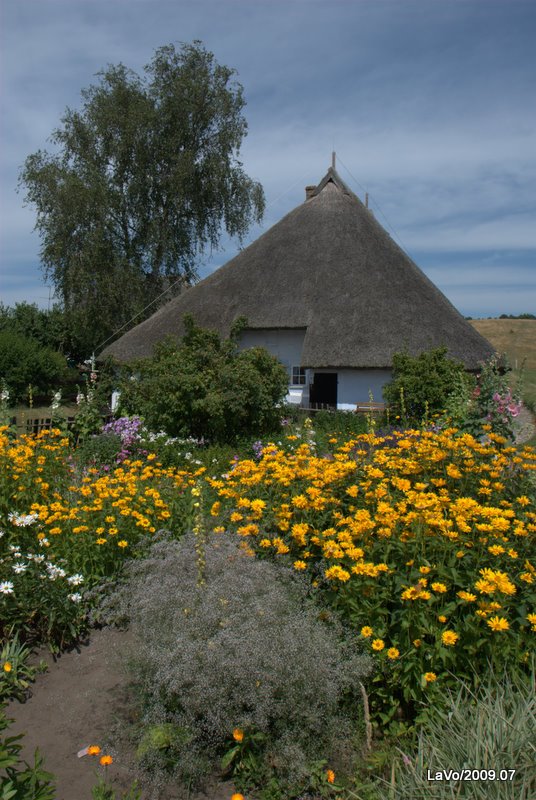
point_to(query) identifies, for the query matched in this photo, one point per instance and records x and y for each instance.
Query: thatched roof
(327, 266)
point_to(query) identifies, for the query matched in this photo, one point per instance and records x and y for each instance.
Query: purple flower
(128, 428)
(257, 448)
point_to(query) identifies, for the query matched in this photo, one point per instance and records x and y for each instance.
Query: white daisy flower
(75, 580)
(19, 567)
(76, 597)
(6, 587)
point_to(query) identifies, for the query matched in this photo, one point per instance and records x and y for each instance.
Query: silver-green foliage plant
(247, 650)
(489, 733)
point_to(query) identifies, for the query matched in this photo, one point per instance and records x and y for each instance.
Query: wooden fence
(33, 421)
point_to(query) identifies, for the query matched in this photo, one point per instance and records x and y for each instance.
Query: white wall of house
(287, 346)
(355, 385)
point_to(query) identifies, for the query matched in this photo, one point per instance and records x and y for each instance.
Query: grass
(516, 338)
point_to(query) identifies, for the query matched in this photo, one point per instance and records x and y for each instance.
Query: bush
(421, 384)
(237, 657)
(491, 405)
(23, 361)
(206, 387)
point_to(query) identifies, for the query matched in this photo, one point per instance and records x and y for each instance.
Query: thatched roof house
(328, 291)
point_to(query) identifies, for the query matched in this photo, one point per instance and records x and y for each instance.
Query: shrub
(239, 656)
(24, 361)
(491, 405)
(206, 387)
(421, 384)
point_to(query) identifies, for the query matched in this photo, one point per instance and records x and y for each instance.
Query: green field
(516, 338)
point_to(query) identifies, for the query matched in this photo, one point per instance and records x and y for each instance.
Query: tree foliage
(47, 327)
(206, 387)
(24, 362)
(422, 384)
(144, 176)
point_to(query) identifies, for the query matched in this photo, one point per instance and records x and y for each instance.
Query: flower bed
(423, 540)
(58, 521)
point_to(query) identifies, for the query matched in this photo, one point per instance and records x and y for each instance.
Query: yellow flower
(366, 631)
(440, 588)
(430, 677)
(122, 543)
(378, 644)
(449, 638)
(299, 565)
(424, 570)
(393, 653)
(532, 618)
(467, 596)
(7, 667)
(100, 540)
(417, 642)
(498, 624)
(442, 618)
(238, 734)
(330, 776)
(237, 796)
(337, 572)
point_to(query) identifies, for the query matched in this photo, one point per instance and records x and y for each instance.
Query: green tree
(145, 175)
(206, 387)
(48, 327)
(24, 361)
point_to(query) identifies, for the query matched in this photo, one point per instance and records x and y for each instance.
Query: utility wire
(396, 235)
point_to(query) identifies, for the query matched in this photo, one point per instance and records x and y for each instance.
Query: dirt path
(524, 426)
(79, 702)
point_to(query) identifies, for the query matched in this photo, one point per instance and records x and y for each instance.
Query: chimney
(309, 192)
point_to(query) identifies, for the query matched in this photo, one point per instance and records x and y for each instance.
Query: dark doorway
(324, 389)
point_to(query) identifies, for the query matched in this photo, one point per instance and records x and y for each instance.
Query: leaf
(229, 756)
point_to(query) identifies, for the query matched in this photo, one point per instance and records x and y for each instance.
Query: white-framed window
(297, 376)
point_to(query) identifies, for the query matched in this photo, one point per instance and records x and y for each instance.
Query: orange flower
(7, 667)
(238, 734)
(330, 776)
(106, 760)
(238, 796)
(93, 750)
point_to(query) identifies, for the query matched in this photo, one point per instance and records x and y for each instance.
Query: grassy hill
(516, 338)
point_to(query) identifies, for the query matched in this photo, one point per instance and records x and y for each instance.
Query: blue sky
(429, 104)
